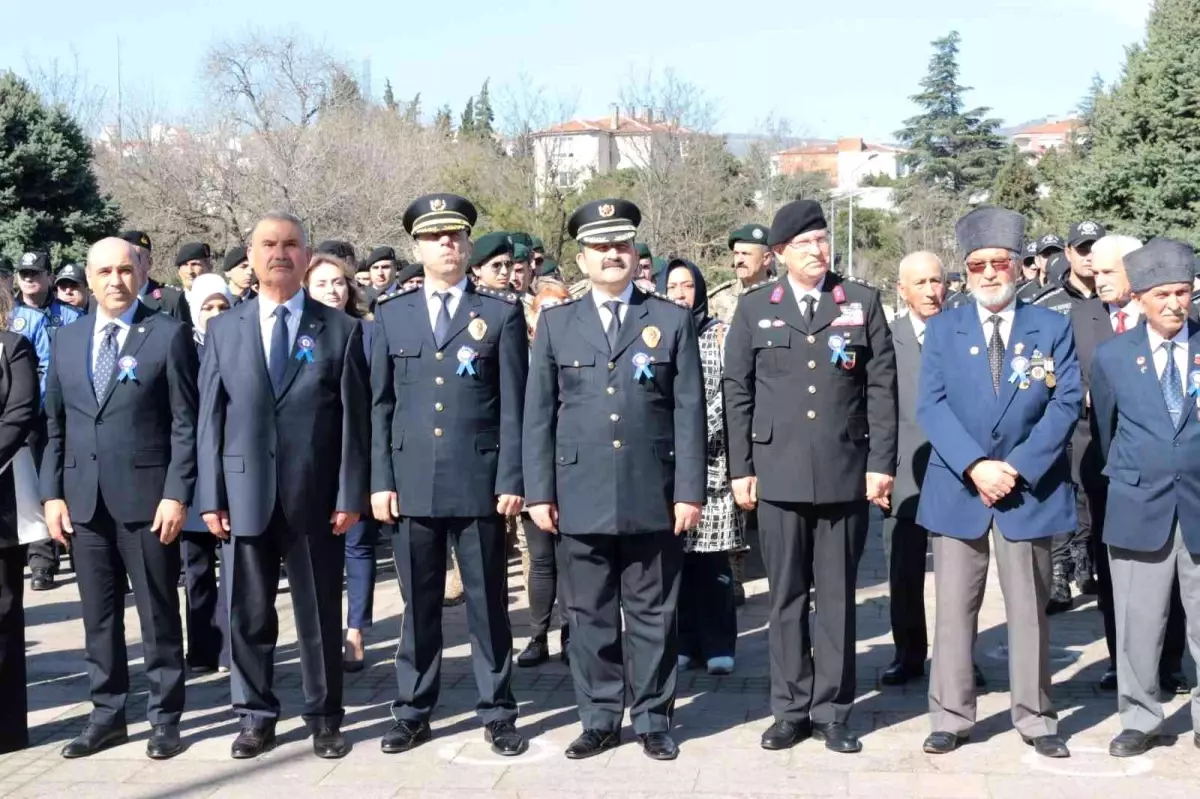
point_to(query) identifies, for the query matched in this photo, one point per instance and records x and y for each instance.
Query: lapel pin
(974, 350)
(141, 330)
(1019, 348)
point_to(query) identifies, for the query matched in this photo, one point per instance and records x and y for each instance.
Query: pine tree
(49, 198)
(466, 125)
(1016, 186)
(956, 150)
(443, 123)
(389, 99)
(484, 116)
(1142, 175)
(343, 91)
(412, 111)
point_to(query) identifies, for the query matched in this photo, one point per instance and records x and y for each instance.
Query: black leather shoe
(1048, 745)
(535, 653)
(93, 739)
(592, 743)
(659, 746)
(405, 735)
(943, 743)
(504, 738)
(1108, 682)
(253, 741)
(1175, 682)
(329, 743)
(164, 742)
(977, 673)
(899, 674)
(1060, 591)
(1131, 743)
(785, 735)
(837, 738)
(41, 580)
(199, 669)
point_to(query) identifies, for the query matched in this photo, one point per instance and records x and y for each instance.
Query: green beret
(750, 234)
(520, 251)
(660, 265)
(549, 267)
(643, 250)
(521, 238)
(488, 246)
(537, 245)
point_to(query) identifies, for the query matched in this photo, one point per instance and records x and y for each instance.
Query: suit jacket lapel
(632, 327)
(974, 348)
(419, 307)
(788, 308)
(312, 322)
(1191, 403)
(252, 334)
(1147, 377)
(589, 326)
(139, 329)
(468, 303)
(1022, 333)
(827, 309)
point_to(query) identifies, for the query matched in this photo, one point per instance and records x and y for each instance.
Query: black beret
(339, 249)
(71, 272)
(408, 272)
(604, 222)
(6, 267)
(643, 250)
(34, 261)
(234, 256)
(437, 213)
(488, 246)
(137, 238)
(381, 254)
(192, 251)
(794, 219)
(752, 233)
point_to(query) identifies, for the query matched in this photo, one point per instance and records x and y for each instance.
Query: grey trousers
(1142, 583)
(960, 576)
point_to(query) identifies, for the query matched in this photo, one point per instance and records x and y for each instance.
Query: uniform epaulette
(861, 282)
(507, 296)
(726, 286)
(768, 282)
(391, 295)
(561, 303)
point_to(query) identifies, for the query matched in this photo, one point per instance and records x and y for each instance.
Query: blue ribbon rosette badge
(1194, 386)
(837, 346)
(466, 361)
(1020, 369)
(127, 365)
(641, 367)
(305, 353)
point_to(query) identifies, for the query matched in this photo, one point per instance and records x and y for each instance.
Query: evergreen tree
(1142, 175)
(49, 197)
(956, 150)
(412, 111)
(466, 125)
(484, 116)
(1016, 186)
(389, 98)
(443, 123)
(343, 91)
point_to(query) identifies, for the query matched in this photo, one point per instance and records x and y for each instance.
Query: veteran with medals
(614, 456)
(998, 398)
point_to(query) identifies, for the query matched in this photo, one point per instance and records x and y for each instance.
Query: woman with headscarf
(706, 617)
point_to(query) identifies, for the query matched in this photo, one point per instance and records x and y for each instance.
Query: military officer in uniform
(491, 262)
(614, 457)
(448, 367)
(752, 258)
(810, 399)
(155, 295)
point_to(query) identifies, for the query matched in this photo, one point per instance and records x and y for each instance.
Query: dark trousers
(799, 541)
(43, 555)
(106, 550)
(420, 551)
(543, 582)
(904, 546)
(360, 574)
(1075, 547)
(204, 599)
(707, 616)
(14, 706)
(638, 574)
(314, 571)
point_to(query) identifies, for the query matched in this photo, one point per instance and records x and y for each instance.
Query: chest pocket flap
(405, 348)
(771, 338)
(576, 357)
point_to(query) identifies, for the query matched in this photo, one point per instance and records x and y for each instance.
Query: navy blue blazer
(967, 421)
(306, 450)
(614, 448)
(446, 440)
(138, 446)
(1152, 466)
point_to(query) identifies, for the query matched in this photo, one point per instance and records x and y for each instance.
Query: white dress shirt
(805, 296)
(600, 297)
(123, 322)
(1180, 351)
(435, 305)
(918, 326)
(266, 320)
(1006, 321)
(1132, 314)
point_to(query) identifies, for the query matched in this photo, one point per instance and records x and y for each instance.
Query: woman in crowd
(706, 617)
(537, 545)
(19, 403)
(204, 600)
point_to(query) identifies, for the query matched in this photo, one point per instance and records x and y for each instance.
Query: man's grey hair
(919, 254)
(282, 216)
(1116, 246)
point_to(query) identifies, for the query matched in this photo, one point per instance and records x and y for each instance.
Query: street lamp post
(853, 188)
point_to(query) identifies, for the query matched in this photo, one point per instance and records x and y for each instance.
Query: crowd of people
(632, 436)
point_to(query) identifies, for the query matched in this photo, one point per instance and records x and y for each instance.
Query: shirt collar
(599, 296)
(1156, 341)
(124, 321)
(1131, 309)
(1006, 313)
(918, 325)
(802, 292)
(294, 304)
(456, 290)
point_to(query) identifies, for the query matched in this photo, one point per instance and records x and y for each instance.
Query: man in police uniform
(69, 287)
(751, 260)
(448, 369)
(810, 399)
(1031, 282)
(238, 273)
(614, 456)
(155, 295)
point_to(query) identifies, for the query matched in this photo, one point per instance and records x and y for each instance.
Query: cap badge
(27, 259)
(606, 210)
(1089, 228)
(437, 204)
(758, 234)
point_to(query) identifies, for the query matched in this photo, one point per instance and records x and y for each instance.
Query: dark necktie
(996, 352)
(1121, 317)
(106, 361)
(1171, 388)
(614, 324)
(441, 327)
(279, 349)
(810, 309)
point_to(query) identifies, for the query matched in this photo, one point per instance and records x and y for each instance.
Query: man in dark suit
(282, 450)
(810, 398)
(1146, 401)
(120, 498)
(446, 460)
(154, 295)
(614, 455)
(921, 283)
(999, 395)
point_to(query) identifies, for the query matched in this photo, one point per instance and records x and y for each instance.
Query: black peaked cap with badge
(1085, 233)
(192, 251)
(234, 257)
(488, 246)
(439, 213)
(380, 254)
(34, 261)
(137, 238)
(1160, 262)
(1050, 242)
(69, 272)
(752, 233)
(988, 227)
(1031, 251)
(604, 222)
(795, 219)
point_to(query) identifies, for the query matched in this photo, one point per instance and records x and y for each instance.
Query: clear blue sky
(831, 68)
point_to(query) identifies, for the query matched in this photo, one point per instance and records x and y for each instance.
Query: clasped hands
(994, 480)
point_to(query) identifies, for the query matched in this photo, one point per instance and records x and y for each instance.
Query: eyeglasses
(500, 266)
(998, 264)
(538, 260)
(816, 242)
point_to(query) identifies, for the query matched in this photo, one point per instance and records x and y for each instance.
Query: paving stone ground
(718, 724)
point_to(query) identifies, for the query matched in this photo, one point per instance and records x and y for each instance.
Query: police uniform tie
(614, 324)
(277, 367)
(106, 361)
(441, 328)
(1172, 389)
(996, 352)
